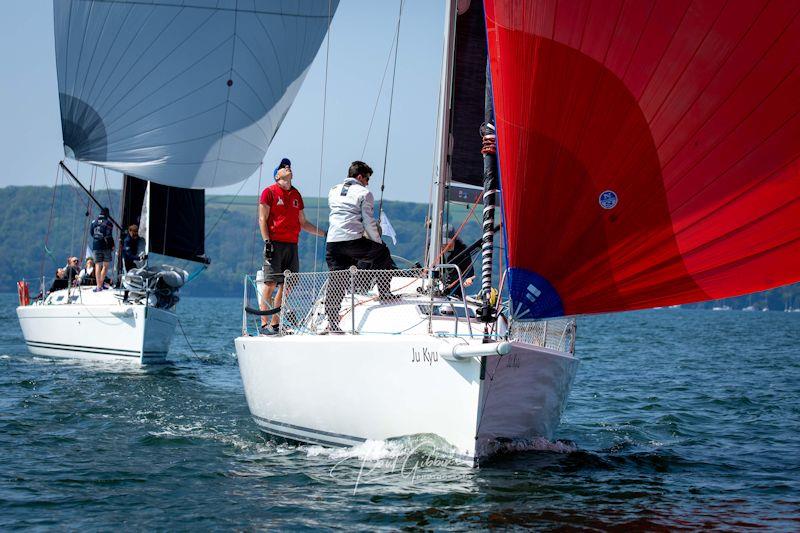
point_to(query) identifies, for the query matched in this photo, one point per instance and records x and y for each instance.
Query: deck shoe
(268, 330)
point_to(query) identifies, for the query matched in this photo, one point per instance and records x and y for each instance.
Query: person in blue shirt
(101, 231)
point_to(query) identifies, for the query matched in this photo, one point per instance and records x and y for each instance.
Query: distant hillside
(233, 242)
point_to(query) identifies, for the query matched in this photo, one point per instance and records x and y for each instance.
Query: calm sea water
(679, 419)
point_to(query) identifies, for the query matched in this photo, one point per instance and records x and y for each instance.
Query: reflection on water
(677, 418)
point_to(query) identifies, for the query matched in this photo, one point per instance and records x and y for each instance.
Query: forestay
(187, 93)
(648, 150)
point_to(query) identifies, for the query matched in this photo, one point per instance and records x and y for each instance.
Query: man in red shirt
(280, 217)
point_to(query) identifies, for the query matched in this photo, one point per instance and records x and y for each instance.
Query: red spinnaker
(648, 150)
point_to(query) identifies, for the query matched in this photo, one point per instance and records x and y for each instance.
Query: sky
(361, 39)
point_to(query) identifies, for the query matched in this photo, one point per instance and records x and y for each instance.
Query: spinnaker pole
(95, 200)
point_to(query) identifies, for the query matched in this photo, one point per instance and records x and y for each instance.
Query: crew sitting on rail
(59, 282)
(86, 277)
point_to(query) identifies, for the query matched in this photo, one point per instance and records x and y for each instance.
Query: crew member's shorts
(284, 257)
(103, 256)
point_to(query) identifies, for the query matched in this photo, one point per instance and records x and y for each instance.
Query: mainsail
(469, 87)
(187, 93)
(648, 150)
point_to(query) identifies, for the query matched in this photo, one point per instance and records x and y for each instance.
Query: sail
(186, 93)
(174, 224)
(469, 86)
(648, 150)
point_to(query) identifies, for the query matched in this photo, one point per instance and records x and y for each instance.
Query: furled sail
(186, 93)
(648, 150)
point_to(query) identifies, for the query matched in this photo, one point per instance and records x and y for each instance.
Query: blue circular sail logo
(608, 199)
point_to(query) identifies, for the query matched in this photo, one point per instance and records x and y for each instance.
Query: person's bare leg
(266, 300)
(100, 273)
(278, 301)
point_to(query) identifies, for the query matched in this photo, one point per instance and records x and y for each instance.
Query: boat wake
(407, 447)
(539, 444)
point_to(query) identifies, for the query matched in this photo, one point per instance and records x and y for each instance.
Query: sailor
(86, 275)
(101, 231)
(131, 247)
(59, 282)
(455, 253)
(353, 237)
(72, 270)
(280, 218)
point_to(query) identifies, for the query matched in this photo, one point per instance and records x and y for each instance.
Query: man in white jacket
(353, 236)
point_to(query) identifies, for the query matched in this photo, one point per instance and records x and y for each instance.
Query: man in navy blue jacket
(131, 247)
(101, 231)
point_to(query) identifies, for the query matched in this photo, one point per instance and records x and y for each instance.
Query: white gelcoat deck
(96, 325)
(340, 390)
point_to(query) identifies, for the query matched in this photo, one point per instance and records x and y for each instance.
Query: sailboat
(648, 154)
(177, 98)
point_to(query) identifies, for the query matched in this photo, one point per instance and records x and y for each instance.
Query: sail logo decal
(280, 201)
(608, 199)
(532, 293)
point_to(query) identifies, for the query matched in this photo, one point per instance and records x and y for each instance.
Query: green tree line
(41, 226)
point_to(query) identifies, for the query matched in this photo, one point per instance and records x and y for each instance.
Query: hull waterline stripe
(93, 349)
(300, 438)
(309, 430)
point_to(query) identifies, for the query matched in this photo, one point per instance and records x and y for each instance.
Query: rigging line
(227, 207)
(85, 240)
(108, 188)
(461, 227)
(50, 220)
(73, 213)
(187, 339)
(380, 87)
(391, 104)
(322, 137)
(257, 227)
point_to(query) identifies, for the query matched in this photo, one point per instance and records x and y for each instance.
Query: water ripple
(678, 419)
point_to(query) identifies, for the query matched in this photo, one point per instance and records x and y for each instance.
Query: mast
(443, 142)
(120, 262)
(144, 221)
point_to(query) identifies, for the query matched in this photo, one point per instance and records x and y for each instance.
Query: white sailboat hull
(103, 330)
(341, 390)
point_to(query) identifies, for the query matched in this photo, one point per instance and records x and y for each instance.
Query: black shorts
(284, 257)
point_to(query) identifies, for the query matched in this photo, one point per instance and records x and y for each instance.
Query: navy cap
(285, 163)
